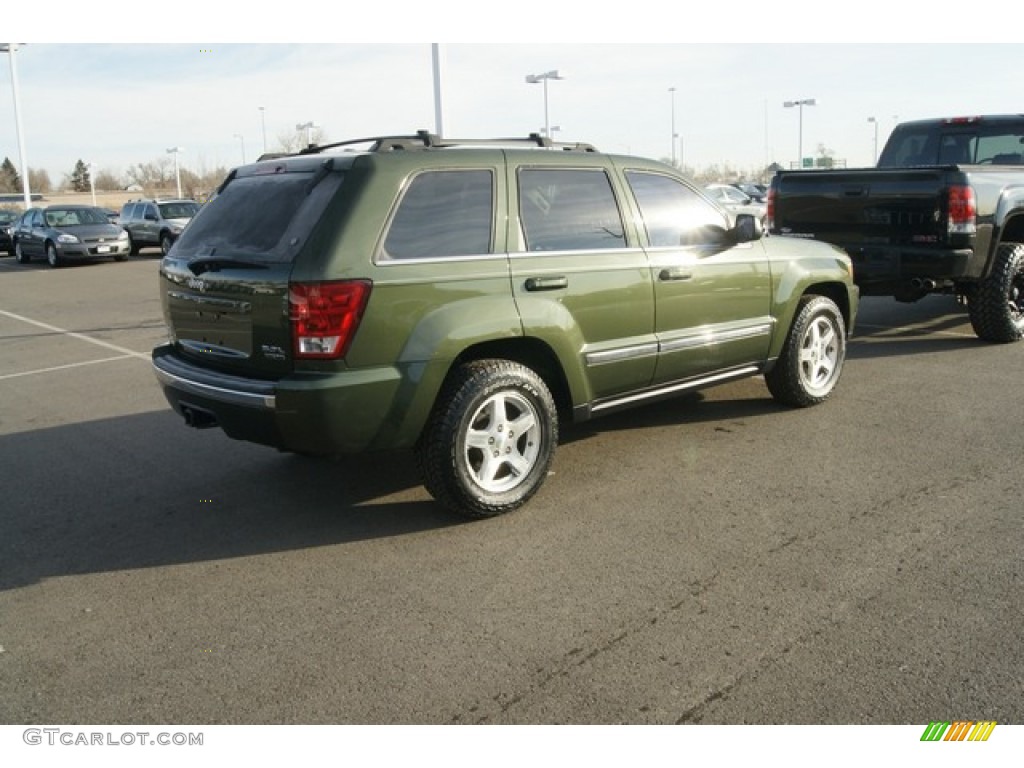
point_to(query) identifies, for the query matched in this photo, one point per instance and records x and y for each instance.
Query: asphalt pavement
(714, 559)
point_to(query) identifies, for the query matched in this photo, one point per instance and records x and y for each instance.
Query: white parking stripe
(62, 367)
(905, 329)
(80, 336)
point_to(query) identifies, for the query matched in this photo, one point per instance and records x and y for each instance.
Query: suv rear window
(260, 217)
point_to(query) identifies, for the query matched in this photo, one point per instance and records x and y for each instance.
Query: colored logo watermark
(959, 730)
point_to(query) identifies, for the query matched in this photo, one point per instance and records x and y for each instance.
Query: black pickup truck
(942, 212)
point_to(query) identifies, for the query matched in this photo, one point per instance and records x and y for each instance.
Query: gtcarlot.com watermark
(69, 738)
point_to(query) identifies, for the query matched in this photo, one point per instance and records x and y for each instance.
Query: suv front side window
(443, 213)
(673, 213)
(569, 210)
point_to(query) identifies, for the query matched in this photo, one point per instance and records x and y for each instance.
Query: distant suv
(156, 222)
(459, 298)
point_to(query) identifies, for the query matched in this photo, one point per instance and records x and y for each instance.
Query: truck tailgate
(903, 206)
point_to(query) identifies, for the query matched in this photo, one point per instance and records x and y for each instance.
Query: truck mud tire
(811, 362)
(489, 442)
(996, 306)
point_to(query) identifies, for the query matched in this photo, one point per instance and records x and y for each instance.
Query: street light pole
(241, 140)
(800, 103)
(177, 170)
(92, 183)
(263, 123)
(674, 134)
(872, 120)
(10, 49)
(543, 78)
(435, 56)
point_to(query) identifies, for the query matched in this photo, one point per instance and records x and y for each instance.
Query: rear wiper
(213, 264)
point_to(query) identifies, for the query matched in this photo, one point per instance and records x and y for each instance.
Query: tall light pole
(9, 49)
(177, 170)
(872, 120)
(543, 78)
(435, 56)
(674, 134)
(800, 103)
(241, 141)
(308, 128)
(263, 123)
(92, 183)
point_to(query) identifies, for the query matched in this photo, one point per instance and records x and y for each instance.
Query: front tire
(996, 306)
(489, 443)
(811, 362)
(20, 256)
(52, 257)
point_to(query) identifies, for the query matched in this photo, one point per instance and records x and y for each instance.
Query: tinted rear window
(955, 144)
(261, 218)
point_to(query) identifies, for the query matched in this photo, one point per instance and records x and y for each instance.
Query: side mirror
(747, 228)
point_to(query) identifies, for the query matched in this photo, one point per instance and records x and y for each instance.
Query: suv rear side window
(569, 210)
(673, 213)
(260, 217)
(443, 213)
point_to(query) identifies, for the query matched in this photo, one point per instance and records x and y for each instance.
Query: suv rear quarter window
(443, 213)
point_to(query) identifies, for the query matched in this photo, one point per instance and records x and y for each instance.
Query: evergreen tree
(10, 181)
(80, 177)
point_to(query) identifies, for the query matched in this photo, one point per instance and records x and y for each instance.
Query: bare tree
(293, 141)
(39, 180)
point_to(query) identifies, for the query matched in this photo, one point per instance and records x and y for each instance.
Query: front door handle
(675, 273)
(546, 283)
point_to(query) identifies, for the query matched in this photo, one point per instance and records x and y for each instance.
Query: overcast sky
(117, 104)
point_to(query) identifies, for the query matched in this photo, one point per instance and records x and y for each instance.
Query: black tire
(165, 242)
(996, 306)
(52, 257)
(19, 255)
(811, 362)
(133, 247)
(495, 405)
(121, 257)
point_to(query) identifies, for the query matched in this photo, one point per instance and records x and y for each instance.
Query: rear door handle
(546, 283)
(674, 273)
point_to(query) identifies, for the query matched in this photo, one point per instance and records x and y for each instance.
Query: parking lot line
(81, 336)
(62, 367)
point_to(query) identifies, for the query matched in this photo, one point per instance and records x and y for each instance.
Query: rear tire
(996, 306)
(165, 243)
(488, 445)
(811, 362)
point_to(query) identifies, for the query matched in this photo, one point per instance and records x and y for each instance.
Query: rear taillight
(324, 317)
(769, 214)
(963, 211)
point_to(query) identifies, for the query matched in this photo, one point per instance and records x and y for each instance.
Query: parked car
(736, 201)
(63, 233)
(756, 192)
(460, 298)
(156, 222)
(7, 220)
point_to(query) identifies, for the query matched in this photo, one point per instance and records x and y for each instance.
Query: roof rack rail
(424, 139)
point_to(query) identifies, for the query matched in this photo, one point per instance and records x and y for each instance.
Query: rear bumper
(323, 413)
(877, 267)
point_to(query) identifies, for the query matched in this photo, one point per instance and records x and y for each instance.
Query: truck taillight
(324, 316)
(963, 211)
(769, 214)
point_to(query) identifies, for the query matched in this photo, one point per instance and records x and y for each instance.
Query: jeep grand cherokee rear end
(249, 341)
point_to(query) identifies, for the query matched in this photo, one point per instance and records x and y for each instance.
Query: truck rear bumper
(878, 270)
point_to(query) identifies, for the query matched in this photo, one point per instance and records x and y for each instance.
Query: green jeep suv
(459, 298)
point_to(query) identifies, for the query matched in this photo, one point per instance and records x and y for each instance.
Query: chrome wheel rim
(820, 351)
(51, 255)
(502, 443)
